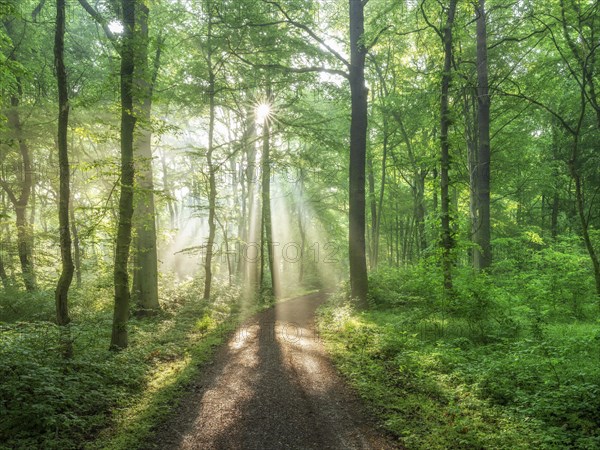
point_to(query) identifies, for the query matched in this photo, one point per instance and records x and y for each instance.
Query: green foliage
(49, 402)
(508, 359)
(415, 387)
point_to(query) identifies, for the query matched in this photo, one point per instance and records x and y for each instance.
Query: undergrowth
(101, 399)
(509, 361)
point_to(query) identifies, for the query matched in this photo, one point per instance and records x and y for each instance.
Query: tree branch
(294, 69)
(546, 108)
(101, 21)
(515, 39)
(426, 18)
(374, 42)
(11, 195)
(311, 33)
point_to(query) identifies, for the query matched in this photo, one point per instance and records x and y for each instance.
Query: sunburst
(263, 112)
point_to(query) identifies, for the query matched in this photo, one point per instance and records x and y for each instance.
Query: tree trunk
(76, 245)
(212, 195)
(377, 231)
(483, 251)
(267, 224)
(24, 230)
(554, 215)
(420, 209)
(167, 190)
(584, 221)
(447, 239)
(66, 276)
(358, 152)
(252, 231)
(145, 268)
(128, 120)
(302, 231)
(24, 250)
(373, 205)
(4, 246)
(25, 178)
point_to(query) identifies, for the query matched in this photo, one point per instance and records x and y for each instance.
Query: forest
(422, 176)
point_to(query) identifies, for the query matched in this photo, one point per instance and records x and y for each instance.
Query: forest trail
(272, 387)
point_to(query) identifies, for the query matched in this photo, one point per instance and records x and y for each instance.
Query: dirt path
(272, 387)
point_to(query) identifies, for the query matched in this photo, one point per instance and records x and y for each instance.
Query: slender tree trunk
(4, 246)
(3, 274)
(145, 267)
(253, 233)
(66, 276)
(418, 186)
(121, 277)
(434, 194)
(447, 239)
(584, 223)
(373, 206)
(212, 194)
(24, 233)
(302, 231)
(483, 252)
(230, 273)
(25, 178)
(243, 217)
(383, 94)
(377, 231)
(24, 229)
(420, 209)
(555, 206)
(76, 245)
(358, 152)
(554, 215)
(267, 224)
(167, 190)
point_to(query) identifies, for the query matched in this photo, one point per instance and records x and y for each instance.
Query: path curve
(272, 387)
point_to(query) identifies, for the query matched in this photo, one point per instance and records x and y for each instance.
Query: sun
(262, 112)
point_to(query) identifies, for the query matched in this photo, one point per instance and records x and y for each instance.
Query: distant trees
(19, 191)
(384, 108)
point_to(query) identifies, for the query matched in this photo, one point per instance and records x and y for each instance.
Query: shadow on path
(272, 387)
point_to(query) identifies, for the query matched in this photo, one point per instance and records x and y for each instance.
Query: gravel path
(272, 387)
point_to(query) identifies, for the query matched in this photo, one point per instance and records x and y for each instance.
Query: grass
(452, 391)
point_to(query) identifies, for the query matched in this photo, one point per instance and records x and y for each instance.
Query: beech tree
(66, 276)
(128, 120)
(358, 152)
(483, 250)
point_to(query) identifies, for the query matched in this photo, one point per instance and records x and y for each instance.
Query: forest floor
(272, 386)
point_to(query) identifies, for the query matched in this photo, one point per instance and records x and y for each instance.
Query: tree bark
(373, 206)
(20, 201)
(267, 225)
(121, 277)
(483, 250)
(358, 152)
(145, 268)
(66, 276)
(471, 138)
(252, 231)
(76, 245)
(447, 238)
(212, 194)
(583, 220)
